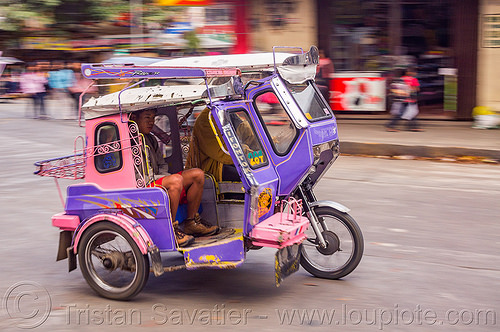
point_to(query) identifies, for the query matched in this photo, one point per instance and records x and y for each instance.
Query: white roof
(245, 62)
(140, 98)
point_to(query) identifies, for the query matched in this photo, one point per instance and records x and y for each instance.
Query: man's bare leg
(173, 184)
(193, 180)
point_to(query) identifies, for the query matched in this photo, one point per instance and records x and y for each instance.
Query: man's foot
(182, 238)
(199, 227)
(416, 129)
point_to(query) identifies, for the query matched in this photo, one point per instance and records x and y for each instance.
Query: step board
(279, 231)
(224, 250)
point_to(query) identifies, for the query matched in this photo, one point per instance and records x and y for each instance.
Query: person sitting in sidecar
(206, 153)
(183, 187)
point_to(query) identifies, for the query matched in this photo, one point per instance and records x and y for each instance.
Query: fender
(333, 205)
(133, 228)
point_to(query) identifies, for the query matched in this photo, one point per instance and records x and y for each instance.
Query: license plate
(286, 262)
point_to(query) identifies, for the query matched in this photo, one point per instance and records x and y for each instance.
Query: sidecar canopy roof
(203, 67)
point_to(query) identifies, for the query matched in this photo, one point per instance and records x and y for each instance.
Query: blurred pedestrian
(404, 90)
(80, 84)
(33, 84)
(60, 77)
(324, 73)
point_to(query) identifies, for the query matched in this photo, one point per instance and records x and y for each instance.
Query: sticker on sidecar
(265, 200)
(256, 157)
(323, 133)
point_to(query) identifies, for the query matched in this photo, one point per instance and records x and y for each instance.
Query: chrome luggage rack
(70, 167)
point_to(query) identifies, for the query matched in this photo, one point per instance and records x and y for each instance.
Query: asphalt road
(431, 254)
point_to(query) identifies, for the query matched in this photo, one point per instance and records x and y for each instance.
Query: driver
(183, 187)
(206, 153)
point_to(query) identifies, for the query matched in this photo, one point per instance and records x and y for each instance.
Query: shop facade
(366, 39)
(435, 36)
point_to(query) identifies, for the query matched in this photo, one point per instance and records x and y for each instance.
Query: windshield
(309, 101)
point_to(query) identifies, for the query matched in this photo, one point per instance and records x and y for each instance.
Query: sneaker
(417, 129)
(391, 129)
(199, 227)
(182, 238)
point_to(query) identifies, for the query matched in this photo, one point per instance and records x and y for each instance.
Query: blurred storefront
(367, 36)
(365, 39)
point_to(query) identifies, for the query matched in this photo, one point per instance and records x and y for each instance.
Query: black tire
(105, 243)
(344, 245)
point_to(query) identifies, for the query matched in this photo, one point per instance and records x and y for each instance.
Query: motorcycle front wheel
(344, 247)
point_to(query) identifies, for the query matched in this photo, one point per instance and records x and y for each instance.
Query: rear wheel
(111, 261)
(344, 247)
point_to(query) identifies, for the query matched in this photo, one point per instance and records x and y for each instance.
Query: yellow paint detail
(210, 259)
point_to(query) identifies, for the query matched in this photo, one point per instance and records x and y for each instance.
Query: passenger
(183, 187)
(206, 153)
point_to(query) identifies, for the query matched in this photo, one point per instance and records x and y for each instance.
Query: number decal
(255, 157)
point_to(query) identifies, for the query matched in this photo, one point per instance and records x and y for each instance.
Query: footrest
(224, 250)
(281, 229)
(275, 234)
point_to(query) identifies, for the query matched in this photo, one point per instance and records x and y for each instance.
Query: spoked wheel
(344, 245)
(111, 261)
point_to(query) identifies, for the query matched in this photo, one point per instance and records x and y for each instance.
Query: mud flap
(156, 263)
(286, 262)
(65, 238)
(71, 259)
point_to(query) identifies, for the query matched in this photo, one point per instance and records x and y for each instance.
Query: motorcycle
(116, 227)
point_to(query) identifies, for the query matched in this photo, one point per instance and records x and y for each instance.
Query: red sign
(357, 92)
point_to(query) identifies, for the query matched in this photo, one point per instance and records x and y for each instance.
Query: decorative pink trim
(273, 244)
(130, 225)
(65, 222)
(282, 229)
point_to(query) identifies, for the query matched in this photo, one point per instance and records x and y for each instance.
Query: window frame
(99, 158)
(318, 95)
(245, 111)
(261, 119)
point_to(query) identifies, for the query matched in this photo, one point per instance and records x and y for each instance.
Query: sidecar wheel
(111, 262)
(344, 245)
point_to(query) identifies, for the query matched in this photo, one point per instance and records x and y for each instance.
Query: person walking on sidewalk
(33, 83)
(404, 90)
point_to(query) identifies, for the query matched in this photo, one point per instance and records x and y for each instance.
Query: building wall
(282, 23)
(488, 84)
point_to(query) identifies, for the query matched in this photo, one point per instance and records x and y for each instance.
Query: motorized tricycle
(117, 227)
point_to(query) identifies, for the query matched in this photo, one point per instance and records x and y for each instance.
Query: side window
(247, 137)
(107, 155)
(280, 128)
(309, 101)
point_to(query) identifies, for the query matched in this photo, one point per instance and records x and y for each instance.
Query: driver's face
(145, 121)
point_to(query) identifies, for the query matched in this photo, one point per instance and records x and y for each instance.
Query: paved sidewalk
(361, 134)
(441, 138)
